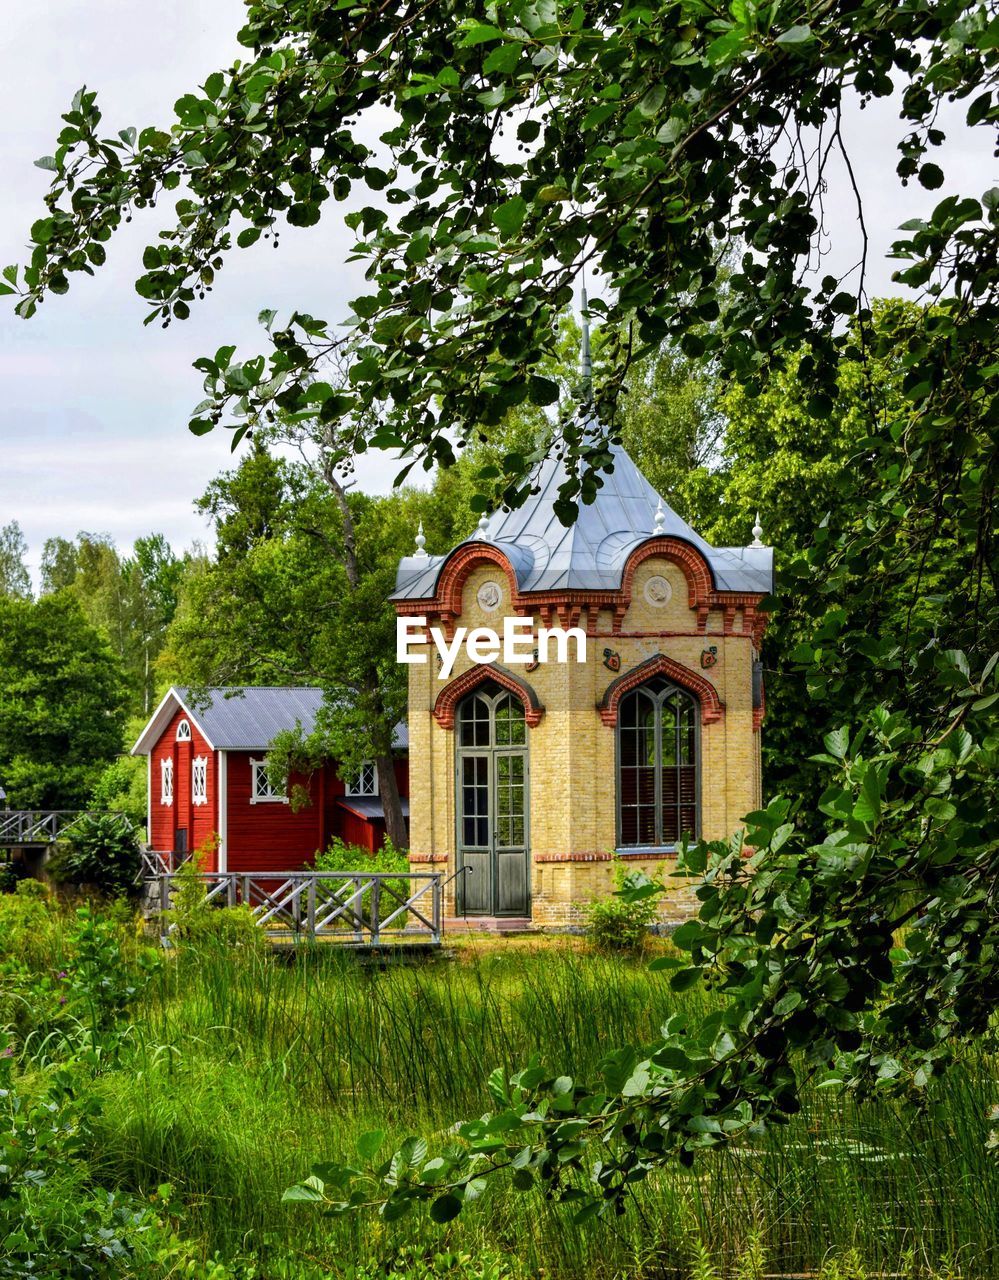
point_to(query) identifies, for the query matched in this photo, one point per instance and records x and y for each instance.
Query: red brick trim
(451, 694)
(566, 606)
(468, 557)
(573, 857)
(424, 858)
(712, 708)
(700, 586)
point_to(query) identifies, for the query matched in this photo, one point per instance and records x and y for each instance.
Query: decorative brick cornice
(700, 585)
(462, 562)
(452, 694)
(573, 857)
(712, 708)
(572, 607)
(424, 859)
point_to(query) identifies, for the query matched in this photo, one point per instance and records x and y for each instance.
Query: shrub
(193, 920)
(414, 1264)
(340, 856)
(613, 924)
(220, 926)
(100, 850)
(121, 788)
(11, 875)
(104, 982)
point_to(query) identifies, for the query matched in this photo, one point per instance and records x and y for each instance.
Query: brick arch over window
(700, 584)
(449, 697)
(463, 561)
(712, 708)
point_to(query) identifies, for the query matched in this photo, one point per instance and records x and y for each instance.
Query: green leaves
(473, 250)
(370, 1143)
(503, 59)
(445, 1208)
(510, 215)
(795, 36)
(480, 33)
(311, 1191)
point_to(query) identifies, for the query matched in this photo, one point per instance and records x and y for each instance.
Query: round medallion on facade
(489, 596)
(658, 592)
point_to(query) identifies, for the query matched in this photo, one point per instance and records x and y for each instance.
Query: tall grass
(242, 1069)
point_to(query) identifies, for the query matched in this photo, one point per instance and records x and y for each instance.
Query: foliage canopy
(650, 141)
(62, 703)
(524, 140)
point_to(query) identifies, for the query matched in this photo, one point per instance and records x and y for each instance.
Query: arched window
(184, 731)
(657, 765)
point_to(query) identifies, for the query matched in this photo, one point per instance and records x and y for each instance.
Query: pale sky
(93, 406)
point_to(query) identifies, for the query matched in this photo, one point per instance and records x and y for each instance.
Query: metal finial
(585, 358)
(660, 523)
(757, 532)
(483, 525)
(421, 541)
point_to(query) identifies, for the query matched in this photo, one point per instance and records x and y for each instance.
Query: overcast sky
(93, 406)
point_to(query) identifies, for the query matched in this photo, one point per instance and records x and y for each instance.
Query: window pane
(475, 722)
(657, 794)
(474, 800)
(669, 713)
(686, 725)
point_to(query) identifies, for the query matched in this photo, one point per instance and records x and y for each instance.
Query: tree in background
(130, 599)
(62, 703)
(59, 562)
(298, 594)
(15, 581)
(649, 142)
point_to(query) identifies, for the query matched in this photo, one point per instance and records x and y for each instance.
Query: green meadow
(217, 1081)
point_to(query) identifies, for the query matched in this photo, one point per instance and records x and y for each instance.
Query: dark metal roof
(369, 806)
(250, 718)
(244, 718)
(591, 554)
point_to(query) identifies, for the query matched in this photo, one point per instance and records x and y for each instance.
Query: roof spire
(660, 523)
(585, 359)
(421, 543)
(757, 532)
(483, 526)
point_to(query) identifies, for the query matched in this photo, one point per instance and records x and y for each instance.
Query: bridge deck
(34, 828)
(371, 910)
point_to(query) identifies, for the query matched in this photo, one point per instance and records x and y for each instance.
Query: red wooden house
(208, 778)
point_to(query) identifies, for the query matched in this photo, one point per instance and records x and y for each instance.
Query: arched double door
(493, 804)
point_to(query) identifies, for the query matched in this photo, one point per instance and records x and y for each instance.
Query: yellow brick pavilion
(532, 783)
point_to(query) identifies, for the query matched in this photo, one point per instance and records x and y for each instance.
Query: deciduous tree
(648, 141)
(62, 703)
(298, 594)
(15, 581)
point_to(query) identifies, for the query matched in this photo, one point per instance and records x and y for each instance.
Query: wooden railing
(155, 863)
(33, 826)
(338, 906)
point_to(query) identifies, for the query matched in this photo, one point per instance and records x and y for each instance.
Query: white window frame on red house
(184, 731)
(264, 794)
(199, 780)
(166, 781)
(365, 781)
